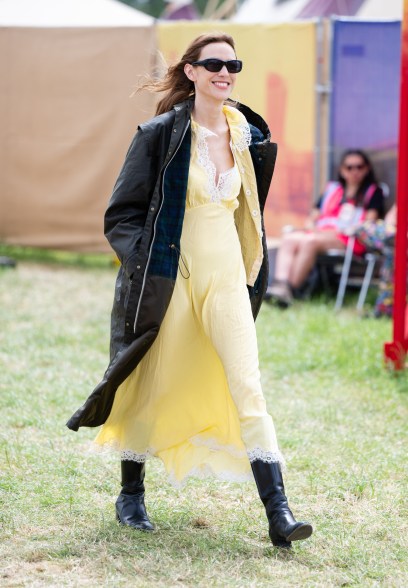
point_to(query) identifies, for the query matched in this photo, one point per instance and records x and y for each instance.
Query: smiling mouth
(221, 84)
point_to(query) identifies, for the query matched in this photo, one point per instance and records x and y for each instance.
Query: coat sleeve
(126, 214)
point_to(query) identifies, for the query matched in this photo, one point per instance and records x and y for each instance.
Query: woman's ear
(189, 71)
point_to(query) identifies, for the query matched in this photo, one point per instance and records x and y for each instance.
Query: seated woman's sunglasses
(216, 65)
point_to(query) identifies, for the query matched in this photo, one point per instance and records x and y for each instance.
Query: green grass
(52, 256)
(341, 418)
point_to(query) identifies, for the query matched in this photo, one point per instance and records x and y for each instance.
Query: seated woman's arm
(375, 208)
(310, 222)
(391, 216)
(312, 218)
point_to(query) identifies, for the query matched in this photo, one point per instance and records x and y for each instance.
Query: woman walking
(185, 220)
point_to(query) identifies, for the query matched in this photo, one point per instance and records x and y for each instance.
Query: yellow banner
(277, 81)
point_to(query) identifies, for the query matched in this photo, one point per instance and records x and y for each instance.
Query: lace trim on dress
(216, 191)
(201, 473)
(129, 455)
(265, 456)
(125, 454)
(225, 182)
(245, 140)
(240, 140)
(253, 454)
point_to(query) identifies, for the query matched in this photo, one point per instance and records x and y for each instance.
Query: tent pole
(319, 89)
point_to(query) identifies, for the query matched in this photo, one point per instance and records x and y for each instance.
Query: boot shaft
(133, 474)
(269, 481)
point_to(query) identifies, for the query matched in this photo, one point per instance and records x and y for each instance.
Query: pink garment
(342, 215)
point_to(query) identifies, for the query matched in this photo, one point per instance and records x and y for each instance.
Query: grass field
(340, 416)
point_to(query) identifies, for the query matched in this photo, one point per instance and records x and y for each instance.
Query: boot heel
(301, 532)
(279, 541)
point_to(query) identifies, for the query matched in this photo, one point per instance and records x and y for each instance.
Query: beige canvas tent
(67, 69)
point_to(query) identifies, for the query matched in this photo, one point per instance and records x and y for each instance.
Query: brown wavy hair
(175, 84)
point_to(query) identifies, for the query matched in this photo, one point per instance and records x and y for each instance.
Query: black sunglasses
(216, 65)
(357, 166)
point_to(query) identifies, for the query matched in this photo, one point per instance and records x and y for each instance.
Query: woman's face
(209, 85)
(354, 169)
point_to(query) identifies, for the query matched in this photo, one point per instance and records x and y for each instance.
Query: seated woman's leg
(286, 255)
(280, 290)
(314, 243)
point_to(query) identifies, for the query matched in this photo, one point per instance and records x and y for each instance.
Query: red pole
(395, 352)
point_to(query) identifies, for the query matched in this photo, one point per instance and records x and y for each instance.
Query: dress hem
(200, 472)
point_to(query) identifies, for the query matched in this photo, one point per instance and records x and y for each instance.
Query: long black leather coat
(143, 224)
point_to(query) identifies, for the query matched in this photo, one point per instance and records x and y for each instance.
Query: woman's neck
(350, 190)
(209, 115)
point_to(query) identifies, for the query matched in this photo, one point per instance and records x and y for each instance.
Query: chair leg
(345, 273)
(366, 281)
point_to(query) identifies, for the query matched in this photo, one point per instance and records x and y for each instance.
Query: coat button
(152, 208)
(128, 324)
(254, 213)
(248, 192)
(174, 130)
(138, 267)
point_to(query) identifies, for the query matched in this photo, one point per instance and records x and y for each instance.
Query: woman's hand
(311, 220)
(371, 215)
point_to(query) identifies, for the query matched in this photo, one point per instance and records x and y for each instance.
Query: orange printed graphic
(289, 199)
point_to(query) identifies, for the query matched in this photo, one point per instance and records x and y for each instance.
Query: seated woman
(354, 198)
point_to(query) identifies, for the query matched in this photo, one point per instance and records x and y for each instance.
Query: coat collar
(185, 108)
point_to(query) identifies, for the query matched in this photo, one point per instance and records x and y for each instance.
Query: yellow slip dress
(195, 400)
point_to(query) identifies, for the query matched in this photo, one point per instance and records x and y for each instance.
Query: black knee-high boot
(283, 528)
(130, 506)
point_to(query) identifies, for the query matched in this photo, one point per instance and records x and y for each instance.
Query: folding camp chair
(355, 271)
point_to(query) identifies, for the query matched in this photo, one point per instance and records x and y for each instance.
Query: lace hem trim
(129, 455)
(125, 454)
(259, 454)
(256, 454)
(200, 473)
